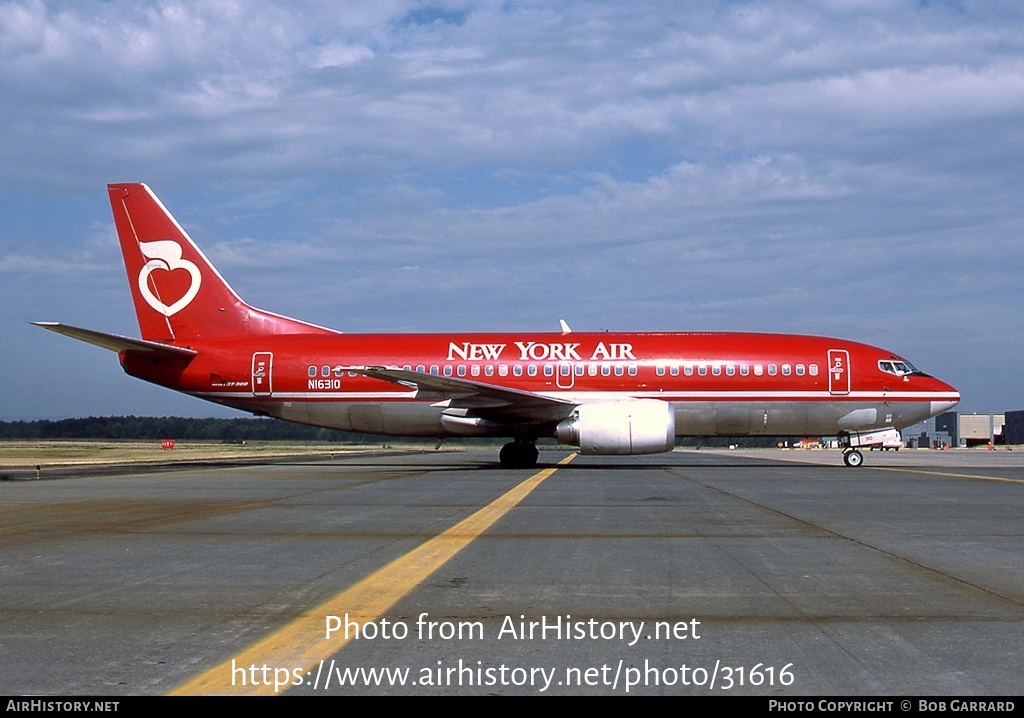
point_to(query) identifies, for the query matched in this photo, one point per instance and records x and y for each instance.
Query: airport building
(926, 439)
(974, 429)
(1013, 429)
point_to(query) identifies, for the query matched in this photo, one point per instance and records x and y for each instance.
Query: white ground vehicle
(882, 440)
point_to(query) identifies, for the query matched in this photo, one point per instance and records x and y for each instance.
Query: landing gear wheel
(853, 458)
(518, 455)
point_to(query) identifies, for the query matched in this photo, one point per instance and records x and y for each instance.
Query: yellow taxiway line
(950, 474)
(302, 644)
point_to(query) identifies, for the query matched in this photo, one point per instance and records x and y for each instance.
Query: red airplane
(607, 393)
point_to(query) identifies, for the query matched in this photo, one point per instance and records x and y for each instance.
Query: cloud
(823, 166)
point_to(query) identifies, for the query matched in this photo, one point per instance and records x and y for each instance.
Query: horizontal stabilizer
(116, 342)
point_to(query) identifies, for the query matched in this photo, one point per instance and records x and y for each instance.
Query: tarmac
(759, 573)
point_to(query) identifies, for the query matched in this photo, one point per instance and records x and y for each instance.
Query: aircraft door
(262, 365)
(838, 371)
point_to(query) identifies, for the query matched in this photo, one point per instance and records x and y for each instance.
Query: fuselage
(732, 384)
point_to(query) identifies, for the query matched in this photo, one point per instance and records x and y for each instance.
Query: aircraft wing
(485, 400)
(116, 342)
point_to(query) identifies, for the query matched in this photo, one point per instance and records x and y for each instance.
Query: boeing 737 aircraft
(607, 393)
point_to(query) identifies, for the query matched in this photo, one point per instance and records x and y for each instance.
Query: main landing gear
(518, 454)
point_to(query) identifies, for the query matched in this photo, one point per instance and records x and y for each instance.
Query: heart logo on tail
(166, 254)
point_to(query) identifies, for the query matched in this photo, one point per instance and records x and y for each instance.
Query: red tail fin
(179, 296)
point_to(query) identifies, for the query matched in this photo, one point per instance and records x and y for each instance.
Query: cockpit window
(897, 367)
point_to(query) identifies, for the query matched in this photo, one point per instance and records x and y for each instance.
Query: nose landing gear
(852, 441)
(852, 458)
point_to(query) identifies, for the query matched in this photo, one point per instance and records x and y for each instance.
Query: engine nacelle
(637, 426)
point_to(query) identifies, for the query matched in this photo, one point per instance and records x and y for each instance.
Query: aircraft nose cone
(950, 397)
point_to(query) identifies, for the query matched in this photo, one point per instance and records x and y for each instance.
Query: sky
(840, 167)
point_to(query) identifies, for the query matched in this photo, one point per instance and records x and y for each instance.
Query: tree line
(171, 427)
